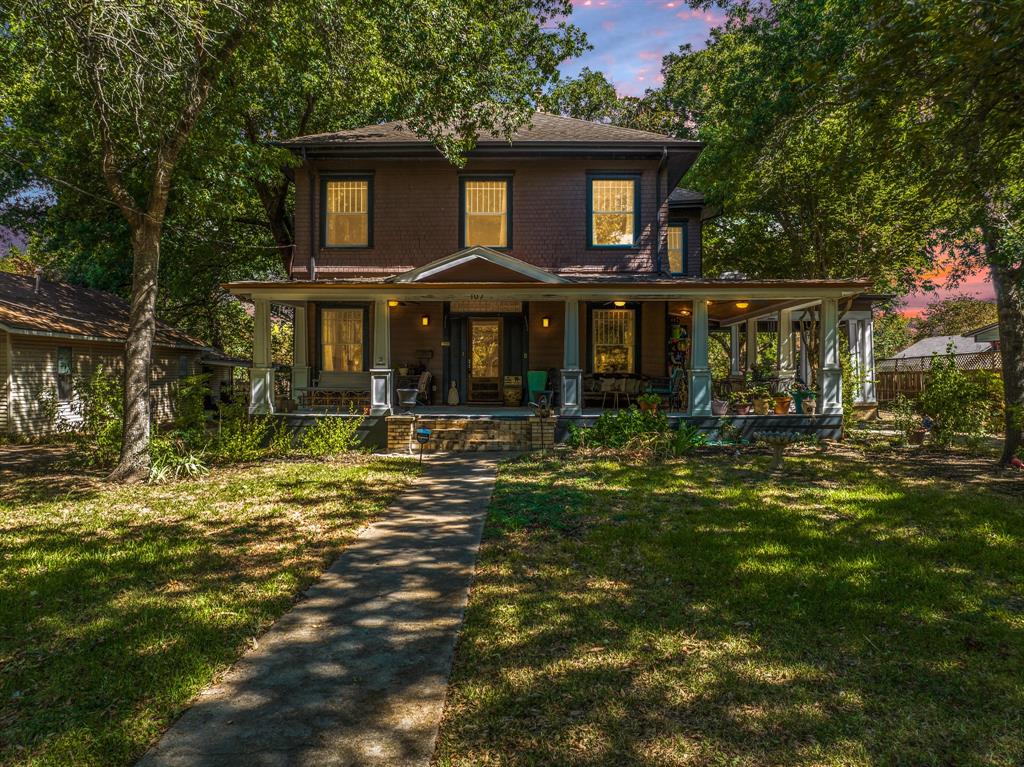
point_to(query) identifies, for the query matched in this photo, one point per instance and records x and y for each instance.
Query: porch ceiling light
(545, 322)
(742, 304)
(425, 320)
(619, 303)
(393, 303)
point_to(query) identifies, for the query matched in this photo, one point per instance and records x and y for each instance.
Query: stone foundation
(461, 435)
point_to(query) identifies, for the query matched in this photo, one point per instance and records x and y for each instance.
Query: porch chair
(423, 388)
(670, 388)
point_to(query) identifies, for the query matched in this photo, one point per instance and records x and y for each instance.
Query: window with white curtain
(341, 339)
(485, 215)
(347, 213)
(612, 202)
(614, 339)
(676, 238)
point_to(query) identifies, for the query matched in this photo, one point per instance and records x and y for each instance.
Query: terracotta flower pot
(782, 405)
(743, 409)
(761, 406)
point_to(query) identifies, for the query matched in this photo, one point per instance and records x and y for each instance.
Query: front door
(485, 359)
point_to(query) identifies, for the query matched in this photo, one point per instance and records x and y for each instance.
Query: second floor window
(677, 249)
(346, 212)
(341, 340)
(613, 212)
(486, 216)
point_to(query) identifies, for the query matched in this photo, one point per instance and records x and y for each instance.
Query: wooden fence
(908, 375)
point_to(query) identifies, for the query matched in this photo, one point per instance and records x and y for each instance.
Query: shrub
(645, 436)
(101, 407)
(187, 400)
(955, 401)
(331, 436)
(239, 437)
(905, 417)
(172, 457)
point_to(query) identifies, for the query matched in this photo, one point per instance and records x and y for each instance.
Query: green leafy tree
(892, 333)
(954, 316)
(589, 96)
(135, 93)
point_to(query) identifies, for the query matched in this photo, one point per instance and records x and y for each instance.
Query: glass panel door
(485, 360)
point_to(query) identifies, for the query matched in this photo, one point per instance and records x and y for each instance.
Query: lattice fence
(908, 375)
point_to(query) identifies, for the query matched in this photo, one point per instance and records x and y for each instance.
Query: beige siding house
(53, 336)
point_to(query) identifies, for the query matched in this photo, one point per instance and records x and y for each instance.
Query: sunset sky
(629, 37)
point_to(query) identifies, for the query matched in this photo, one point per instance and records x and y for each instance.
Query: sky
(629, 37)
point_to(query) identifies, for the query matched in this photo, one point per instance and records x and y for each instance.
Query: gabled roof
(543, 128)
(926, 347)
(988, 332)
(68, 310)
(478, 265)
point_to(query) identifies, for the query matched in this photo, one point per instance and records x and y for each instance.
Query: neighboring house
(926, 347)
(989, 333)
(906, 372)
(567, 253)
(54, 335)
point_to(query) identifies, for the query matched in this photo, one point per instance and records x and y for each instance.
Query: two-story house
(564, 260)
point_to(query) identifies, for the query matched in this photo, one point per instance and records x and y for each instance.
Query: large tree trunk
(1010, 301)
(133, 465)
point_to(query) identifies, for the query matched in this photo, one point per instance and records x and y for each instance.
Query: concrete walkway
(356, 673)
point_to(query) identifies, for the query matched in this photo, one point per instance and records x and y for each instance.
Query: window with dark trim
(183, 365)
(485, 211)
(613, 340)
(613, 210)
(343, 342)
(677, 249)
(64, 368)
(346, 211)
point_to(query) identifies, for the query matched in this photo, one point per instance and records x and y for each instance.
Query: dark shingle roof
(683, 198)
(543, 129)
(62, 308)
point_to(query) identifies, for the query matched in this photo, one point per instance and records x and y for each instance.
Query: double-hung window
(346, 210)
(486, 212)
(614, 207)
(614, 340)
(341, 339)
(677, 248)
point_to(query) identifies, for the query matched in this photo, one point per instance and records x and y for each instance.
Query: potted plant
(719, 406)
(761, 398)
(808, 404)
(649, 402)
(740, 401)
(782, 402)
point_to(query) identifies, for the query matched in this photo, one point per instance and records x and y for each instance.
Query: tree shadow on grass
(711, 613)
(116, 613)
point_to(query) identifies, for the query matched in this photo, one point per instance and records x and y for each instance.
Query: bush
(905, 417)
(956, 401)
(101, 407)
(172, 457)
(645, 436)
(239, 437)
(188, 402)
(331, 436)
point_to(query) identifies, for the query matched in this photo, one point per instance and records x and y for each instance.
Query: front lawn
(118, 605)
(859, 611)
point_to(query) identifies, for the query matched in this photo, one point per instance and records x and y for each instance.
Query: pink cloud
(978, 285)
(650, 55)
(713, 18)
(608, 25)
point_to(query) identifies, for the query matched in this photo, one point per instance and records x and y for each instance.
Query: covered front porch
(479, 334)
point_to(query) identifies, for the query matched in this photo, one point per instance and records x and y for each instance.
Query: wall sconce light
(620, 304)
(742, 304)
(392, 303)
(425, 320)
(545, 322)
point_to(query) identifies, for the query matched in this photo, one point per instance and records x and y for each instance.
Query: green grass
(118, 605)
(860, 610)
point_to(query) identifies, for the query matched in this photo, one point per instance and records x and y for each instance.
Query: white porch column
(830, 374)
(856, 361)
(300, 363)
(804, 363)
(867, 346)
(785, 364)
(380, 372)
(700, 374)
(751, 344)
(261, 377)
(572, 376)
(735, 369)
